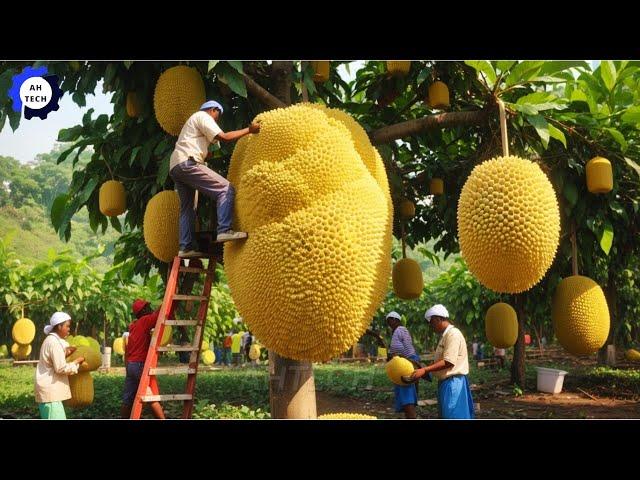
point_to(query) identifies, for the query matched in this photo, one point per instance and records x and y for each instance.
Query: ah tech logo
(36, 91)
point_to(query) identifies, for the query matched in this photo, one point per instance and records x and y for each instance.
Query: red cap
(138, 305)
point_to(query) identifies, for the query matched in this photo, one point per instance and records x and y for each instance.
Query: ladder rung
(165, 398)
(189, 297)
(181, 322)
(171, 370)
(178, 348)
(195, 270)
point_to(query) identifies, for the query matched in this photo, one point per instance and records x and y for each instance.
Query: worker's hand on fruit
(79, 360)
(69, 350)
(254, 127)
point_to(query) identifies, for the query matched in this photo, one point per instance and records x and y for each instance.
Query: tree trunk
(262, 94)
(281, 72)
(612, 302)
(292, 388)
(517, 365)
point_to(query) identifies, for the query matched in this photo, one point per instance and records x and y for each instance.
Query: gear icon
(20, 78)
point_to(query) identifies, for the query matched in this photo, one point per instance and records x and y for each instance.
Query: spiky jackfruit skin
(20, 352)
(398, 67)
(407, 279)
(79, 341)
(81, 386)
(208, 357)
(397, 368)
(112, 198)
(501, 325)
(118, 346)
(346, 416)
(632, 355)
(508, 224)
(23, 331)
(407, 209)
(599, 175)
(133, 105)
(178, 94)
(321, 70)
(438, 95)
(93, 343)
(160, 225)
(254, 352)
(92, 358)
(4, 351)
(436, 186)
(315, 266)
(580, 315)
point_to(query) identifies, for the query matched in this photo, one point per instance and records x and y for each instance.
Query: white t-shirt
(197, 133)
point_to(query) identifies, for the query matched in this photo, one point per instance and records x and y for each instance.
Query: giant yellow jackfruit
(23, 331)
(346, 416)
(321, 70)
(160, 225)
(93, 343)
(179, 93)
(397, 368)
(398, 67)
(407, 209)
(313, 196)
(254, 352)
(599, 175)
(133, 105)
(208, 357)
(438, 95)
(501, 325)
(580, 315)
(79, 341)
(20, 352)
(92, 358)
(407, 279)
(508, 224)
(112, 198)
(118, 346)
(81, 386)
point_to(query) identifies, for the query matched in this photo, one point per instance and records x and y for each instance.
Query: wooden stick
(503, 129)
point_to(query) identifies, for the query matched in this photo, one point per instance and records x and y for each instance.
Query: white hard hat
(436, 310)
(56, 319)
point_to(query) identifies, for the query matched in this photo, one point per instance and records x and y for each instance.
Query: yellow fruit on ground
(23, 331)
(133, 105)
(632, 355)
(599, 175)
(118, 346)
(397, 368)
(580, 315)
(407, 209)
(208, 357)
(398, 67)
(315, 266)
(438, 95)
(254, 352)
(81, 386)
(20, 352)
(508, 224)
(436, 186)
(112, 198)
(501, 325)
(179, 93)
(321, 70)
(92, 358)
(346, 416)
(407, 279)
(160, 225)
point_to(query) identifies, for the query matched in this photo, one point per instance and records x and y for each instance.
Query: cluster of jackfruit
(313, 195)
(397, 368)
(112, 198)
(398, 67)
(208, 357)
(23, 332)
(254, 352)
(346, 416)
(133, 105)
(508, 224)
(81, 384)
(92, 358)
(599, 175)
(407, 279)
(438, 95)
(20, 352)
(161, 225)
(178, 94)
(580, 315)
(632, 355)
(321, 70)
(501, 325)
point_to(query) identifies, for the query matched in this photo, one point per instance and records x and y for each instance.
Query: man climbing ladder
(189, 172)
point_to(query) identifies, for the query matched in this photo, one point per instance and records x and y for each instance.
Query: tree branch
(262, 94)
(430, 122)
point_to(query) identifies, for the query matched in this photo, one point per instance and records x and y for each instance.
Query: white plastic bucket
(106, 358)
(550, 380)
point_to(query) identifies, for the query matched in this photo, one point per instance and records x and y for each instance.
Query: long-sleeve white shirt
(51, 382)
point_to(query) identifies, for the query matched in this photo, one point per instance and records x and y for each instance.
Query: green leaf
(541, 126)
(236, 83)
(8, 298)
(163, 170)
(211, 65)
(128, 63)
(87, 190)
(559, 66)
(633, 165)
(115, 223)
(618, 137)
(101, 122)
(57, 209)
(541, 101)
(578, 96)
(485, 67)
(237, 65)
(504, 65)
(69, 134)
(68, 282)
(558, 135)
(632, 115)
(606, 237)
(86, 118)
(608, 72)
(523, 71)
(134, 153)
(570, 193)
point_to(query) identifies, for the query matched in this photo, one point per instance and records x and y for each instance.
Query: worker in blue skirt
(451, 367)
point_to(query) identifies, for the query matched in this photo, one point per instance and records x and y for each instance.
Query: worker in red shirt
(136, 349)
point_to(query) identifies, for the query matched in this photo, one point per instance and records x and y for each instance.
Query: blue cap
(211, 104)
